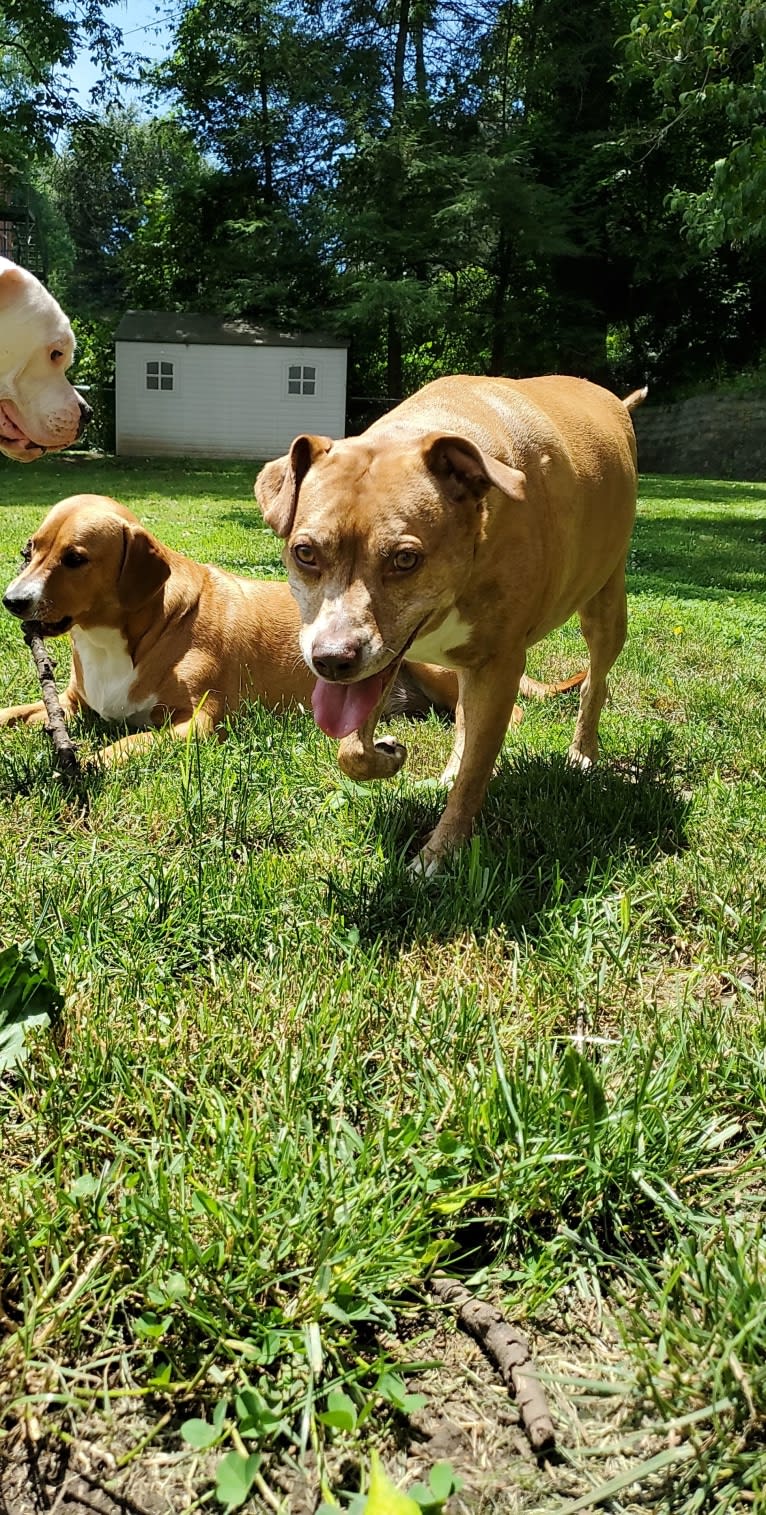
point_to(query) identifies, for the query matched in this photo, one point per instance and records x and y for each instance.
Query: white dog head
(40, 411)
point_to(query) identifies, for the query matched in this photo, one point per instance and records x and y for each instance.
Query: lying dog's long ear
(144, 570)
(466, 473)
(277, 485)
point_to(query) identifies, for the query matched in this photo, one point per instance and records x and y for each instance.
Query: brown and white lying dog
(461, 528)
(40, 411)
(155, 635)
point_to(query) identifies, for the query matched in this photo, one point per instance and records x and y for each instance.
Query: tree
(116, 184)
(37, 43)
(707, 64)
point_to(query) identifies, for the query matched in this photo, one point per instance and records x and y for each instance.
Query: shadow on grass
(710, 556)
(28, 761)
(547, 835)
(127, 479)
(668, 487)
(249, 516)
(32, 767)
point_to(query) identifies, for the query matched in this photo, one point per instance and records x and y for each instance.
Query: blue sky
(146, 26)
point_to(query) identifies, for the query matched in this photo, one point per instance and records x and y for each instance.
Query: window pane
(294, 371)
(309, 386)
(166, 383)
(166, 368)
(152, 368)
(309, 373)
(293, 387)
(152, 382)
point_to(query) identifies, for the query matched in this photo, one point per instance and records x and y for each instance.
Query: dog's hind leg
(604, 622)
(456, 756)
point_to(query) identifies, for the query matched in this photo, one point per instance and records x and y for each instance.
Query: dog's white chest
(108, 675)
(436, 646)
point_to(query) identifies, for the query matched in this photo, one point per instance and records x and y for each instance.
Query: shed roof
(213, 331)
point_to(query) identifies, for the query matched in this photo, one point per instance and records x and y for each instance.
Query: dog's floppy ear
(466, 473)
(277, 485)
(144, 569)
(13, 282)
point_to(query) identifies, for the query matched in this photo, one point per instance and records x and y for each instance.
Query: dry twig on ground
(508, 1350)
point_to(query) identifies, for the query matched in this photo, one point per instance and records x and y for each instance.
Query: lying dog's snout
(86, 414)
(336, 661)
(19, 602)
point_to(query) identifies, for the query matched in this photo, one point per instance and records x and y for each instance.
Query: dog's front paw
(361, 761)
(580, 760)
(425, 865)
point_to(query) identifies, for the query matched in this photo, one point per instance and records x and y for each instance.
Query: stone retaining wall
(718, 436)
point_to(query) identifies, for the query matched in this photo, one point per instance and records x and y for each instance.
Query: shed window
(159, 375)
(301, 379)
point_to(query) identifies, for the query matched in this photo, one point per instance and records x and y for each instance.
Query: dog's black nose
(18, 604)
(336, 661)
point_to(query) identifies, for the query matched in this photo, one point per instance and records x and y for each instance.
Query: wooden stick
(508, 1350)
(55, 726)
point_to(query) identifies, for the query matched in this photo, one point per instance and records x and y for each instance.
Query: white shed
(204, 386)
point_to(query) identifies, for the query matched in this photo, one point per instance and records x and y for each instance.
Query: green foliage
(113, 185)
(37, 43)
(534, 188)
(29, 998)
(708, 66)
(235, 1477)
(94, 374)
(442, 1482)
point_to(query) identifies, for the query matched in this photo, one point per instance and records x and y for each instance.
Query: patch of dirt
(72, 1466)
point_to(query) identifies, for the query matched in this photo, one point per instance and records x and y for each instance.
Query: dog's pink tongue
(340, 709)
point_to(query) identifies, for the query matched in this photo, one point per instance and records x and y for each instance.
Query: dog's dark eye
(72, 558)
(305, 555)
(26, 552)
(405, 560)
(55, 355)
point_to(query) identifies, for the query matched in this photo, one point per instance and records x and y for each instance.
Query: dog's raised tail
(636, 398)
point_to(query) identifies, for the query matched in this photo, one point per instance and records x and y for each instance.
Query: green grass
(289, 1080)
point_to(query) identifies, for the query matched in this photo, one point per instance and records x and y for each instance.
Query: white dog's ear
(13, 283)
(467, 473)
(144, 569)
(277, 485)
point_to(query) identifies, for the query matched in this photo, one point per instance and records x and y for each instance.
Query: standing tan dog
(40, 411)
(461, 528)
(156, 636)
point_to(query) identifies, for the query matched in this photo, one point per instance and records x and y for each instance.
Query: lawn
(289, 1080)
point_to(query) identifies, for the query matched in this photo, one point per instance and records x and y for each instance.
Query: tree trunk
(263, 92)
(400, 54)
(394, 380)
(502, 281)
(421, 79)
